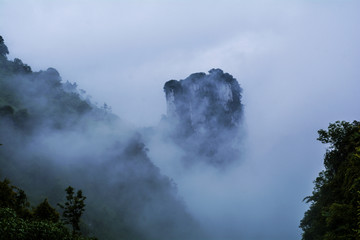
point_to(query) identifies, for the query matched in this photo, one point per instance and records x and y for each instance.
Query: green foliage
(45, 212)
(17, 222)
(15, 198)
(73, 208)
(16, 228)
(334, 209)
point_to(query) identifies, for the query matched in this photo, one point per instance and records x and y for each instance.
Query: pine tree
(73, 208)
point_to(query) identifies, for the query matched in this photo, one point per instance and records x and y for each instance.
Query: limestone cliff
(205, 111)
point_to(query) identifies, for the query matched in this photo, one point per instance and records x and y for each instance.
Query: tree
(3, 48)
(18, 223)
(333, 213)
(73, 208)
(15, 198)
(45, 212)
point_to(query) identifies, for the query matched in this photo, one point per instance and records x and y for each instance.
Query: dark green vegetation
(19, 222)
(53, 136)
(73, 208)
(334, 212)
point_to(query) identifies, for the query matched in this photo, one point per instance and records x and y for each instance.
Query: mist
(295, 62)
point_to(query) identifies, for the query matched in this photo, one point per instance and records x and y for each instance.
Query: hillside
(53, 136)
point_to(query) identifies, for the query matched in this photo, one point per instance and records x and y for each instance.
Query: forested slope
(53, 137)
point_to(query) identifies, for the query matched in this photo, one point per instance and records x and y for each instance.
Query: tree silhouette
(73, 208)
(3, 48)
(45, 212)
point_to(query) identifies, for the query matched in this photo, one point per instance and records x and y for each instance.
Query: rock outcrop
(204, 113)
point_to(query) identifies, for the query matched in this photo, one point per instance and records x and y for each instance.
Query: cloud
(296, 61)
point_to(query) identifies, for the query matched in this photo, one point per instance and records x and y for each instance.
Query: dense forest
(52, 136)
(334, 212)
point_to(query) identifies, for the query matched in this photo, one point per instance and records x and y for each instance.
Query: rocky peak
(204, 100)
(203, 107)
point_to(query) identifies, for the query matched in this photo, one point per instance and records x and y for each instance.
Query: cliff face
(205, 110)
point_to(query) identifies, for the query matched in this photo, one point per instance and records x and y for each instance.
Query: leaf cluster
(333, 213)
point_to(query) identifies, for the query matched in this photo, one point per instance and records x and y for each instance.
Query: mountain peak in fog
(206, 110)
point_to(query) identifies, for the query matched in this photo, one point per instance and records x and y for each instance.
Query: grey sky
(297, 62)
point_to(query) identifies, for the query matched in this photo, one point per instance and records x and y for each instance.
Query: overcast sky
(297, 62)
